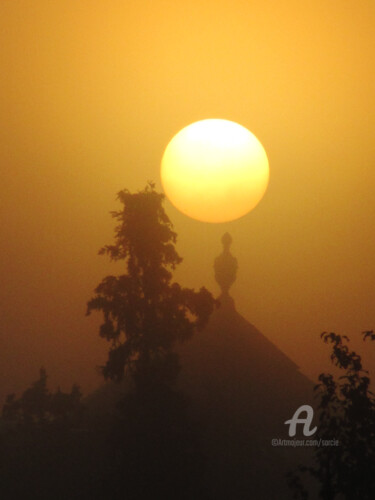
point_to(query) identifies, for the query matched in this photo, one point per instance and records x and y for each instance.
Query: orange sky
(91, 92)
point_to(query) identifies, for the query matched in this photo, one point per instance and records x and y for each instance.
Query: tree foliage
(144, 313)
(46, 449)
(38, 405)
(347, 414)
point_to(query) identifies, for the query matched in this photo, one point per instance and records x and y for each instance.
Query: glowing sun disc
(214, 170)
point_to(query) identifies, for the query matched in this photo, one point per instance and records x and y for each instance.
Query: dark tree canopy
(347, 414)
(38, 405)
(145, 314)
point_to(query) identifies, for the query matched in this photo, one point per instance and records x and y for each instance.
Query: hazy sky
(92, 91)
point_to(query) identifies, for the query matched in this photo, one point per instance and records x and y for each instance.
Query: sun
(214, 170)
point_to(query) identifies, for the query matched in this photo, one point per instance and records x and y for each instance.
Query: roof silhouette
(243, 388)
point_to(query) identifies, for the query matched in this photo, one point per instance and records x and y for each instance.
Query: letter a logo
(305, 421)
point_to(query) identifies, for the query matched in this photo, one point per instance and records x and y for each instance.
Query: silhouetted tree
(155, 443)
(38, 406)
(347, 414)
(43, 451)
(145, 314)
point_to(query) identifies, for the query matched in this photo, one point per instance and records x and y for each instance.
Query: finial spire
(225, 266)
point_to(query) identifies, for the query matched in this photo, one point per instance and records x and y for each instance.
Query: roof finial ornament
(225, 266)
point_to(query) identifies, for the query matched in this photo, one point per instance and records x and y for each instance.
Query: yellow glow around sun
(214, 171)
